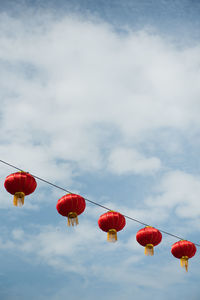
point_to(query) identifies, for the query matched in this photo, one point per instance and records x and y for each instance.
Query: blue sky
(102, 98)
(174, 16)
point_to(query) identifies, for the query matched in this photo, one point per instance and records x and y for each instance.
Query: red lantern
(70, 206)
(20, 184)
(149, 237)
(112, 222)
(183, 250)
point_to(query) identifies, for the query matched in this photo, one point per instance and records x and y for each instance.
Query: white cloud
(84, 251)
(18, 234)
(69, 86)
(124, 160)
(77, 97)
(180, 191)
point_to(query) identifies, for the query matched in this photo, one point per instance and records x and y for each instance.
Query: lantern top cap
(182, 241)
(20, 172)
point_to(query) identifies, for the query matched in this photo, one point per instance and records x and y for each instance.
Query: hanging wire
(93, 202)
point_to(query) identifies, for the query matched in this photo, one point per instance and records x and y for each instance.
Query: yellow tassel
(18, 199)
(112, 235)
(184, 262)
(149, 250)
(72, 219)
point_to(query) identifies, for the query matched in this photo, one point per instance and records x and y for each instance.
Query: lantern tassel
(18, 199)
(148, 250)
(72, 219)
(112, 235)
(184, 262)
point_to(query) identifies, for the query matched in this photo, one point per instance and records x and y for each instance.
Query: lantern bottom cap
(112, 235)
(72, 219)
(184, 262)
(149, 250)
(18, 199)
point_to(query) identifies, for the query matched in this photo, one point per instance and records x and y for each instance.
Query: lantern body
(112, 222)
(183, 250)
(149, 237)
(70, 206)
(20, 184)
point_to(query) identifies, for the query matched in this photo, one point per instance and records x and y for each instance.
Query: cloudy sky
(102, 98)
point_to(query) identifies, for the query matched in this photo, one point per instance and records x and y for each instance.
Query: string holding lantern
(112, 222)
(183, 250)
(20, 184)
(149, 237)
(70, 206)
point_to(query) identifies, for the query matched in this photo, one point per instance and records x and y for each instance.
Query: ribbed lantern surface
(112, 222)
(149, 237)
(70, 206)
(183, 250)
(20, 184)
